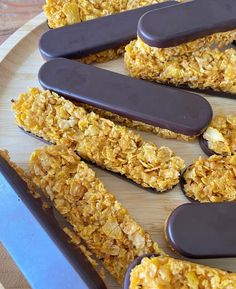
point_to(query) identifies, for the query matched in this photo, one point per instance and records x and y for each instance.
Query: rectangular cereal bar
(95, 214)
(165, 272)
(97, 139)
(195, 64)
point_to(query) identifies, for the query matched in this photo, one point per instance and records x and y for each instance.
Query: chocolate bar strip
(203, 230)
(132, 98)
(47, 220)
(186, 22)
(166, 272)
(89, 37)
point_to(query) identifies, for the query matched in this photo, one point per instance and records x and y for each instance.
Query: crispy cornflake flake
(212, 179)
(97, 139)
(95, 214)
(221, 134)
(195, 64)
(165, 272)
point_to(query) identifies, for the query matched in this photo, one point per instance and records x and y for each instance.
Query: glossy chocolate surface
(158, 105)
(203, 230)
(136, 262)
(89, 37)
(51, 225)
(186, 22)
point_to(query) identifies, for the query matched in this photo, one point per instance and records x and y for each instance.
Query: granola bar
(221, 134)
(97, 139)
(212, 179)
(96, 216)
(165, 272)
(195, 64)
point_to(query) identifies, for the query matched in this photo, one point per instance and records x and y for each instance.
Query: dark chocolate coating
(203, 230)
(186, 22)
(136, 262)
(166, 107)
(89, 37)
(48, 221)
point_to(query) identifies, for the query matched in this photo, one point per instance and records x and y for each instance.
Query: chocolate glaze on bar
(203, 230)
(48, 221)
(166, 107)
(186, 22)
(89, 37)
(135, 263)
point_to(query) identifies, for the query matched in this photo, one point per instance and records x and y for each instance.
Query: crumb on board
(165, 272)
(221, 134)
(212, 179)
(95, 215)
(97, 139)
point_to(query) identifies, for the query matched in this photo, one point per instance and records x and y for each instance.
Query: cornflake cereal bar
(96, 216)
(221, 134)
(66, 12)
(212, 179)
(97, 139)
(33, 189)
(195, 64)
(165, 272)
(118, 119)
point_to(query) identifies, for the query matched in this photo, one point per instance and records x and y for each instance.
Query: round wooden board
(20, 61)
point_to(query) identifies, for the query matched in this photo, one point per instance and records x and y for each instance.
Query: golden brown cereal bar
(95, 214)
(66, 12)
(194, 64)
(169, 273)
(212, 179)
(97, 139)
(221, 134)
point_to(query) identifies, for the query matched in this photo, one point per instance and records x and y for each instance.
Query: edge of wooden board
(20, 34)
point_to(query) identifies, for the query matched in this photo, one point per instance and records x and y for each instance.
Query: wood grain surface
(20, 61)
(14, 13)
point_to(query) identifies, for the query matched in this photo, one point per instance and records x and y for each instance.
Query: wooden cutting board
(20, 61)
